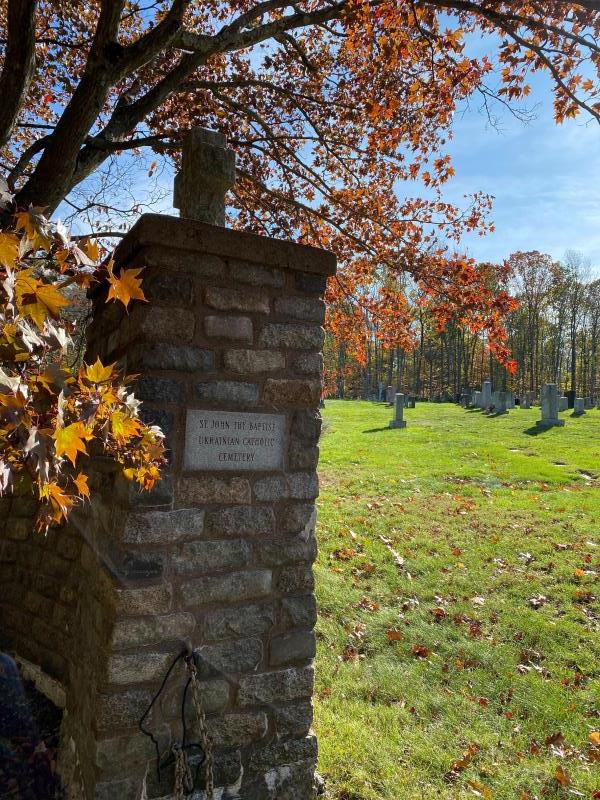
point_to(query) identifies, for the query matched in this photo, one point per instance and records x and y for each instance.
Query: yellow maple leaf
(36, 299)
(126, 286)
(123, 426)
(26, 222)
(69, 441)
(81, 482)
(594, 738)
(62, 257)
(58, 499)
(92, 249)
(98, 373)
(9, 249)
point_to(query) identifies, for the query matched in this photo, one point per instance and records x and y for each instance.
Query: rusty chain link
(205, 738)
(184, 782)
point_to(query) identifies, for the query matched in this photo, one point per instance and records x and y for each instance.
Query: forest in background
(553, 333)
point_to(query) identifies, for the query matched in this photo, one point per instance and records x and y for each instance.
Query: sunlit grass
(457, 582)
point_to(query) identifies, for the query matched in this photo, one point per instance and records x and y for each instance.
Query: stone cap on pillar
(207, 173)
(161, 230)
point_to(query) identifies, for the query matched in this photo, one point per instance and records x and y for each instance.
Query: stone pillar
(579, 407)
(486, 394)
(549, 400)
(398, 421)
(220, 553)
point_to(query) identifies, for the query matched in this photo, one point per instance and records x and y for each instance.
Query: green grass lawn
(459, 630)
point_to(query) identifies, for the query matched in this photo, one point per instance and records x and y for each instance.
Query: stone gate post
(228, 353)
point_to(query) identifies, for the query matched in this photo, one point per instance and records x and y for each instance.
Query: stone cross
(207, 172)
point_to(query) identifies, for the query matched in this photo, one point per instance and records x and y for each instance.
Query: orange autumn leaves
(54, 416)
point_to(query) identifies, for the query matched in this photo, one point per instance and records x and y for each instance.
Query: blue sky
(545, 179)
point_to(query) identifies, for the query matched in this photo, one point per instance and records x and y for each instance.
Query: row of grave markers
(499, 402)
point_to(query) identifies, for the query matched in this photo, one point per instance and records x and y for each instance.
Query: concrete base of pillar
(550, 423)
(398, 423)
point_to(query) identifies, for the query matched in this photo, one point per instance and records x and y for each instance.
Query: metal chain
(184, 781)
(205, 738)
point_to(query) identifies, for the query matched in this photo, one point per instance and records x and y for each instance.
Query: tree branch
(19, 63)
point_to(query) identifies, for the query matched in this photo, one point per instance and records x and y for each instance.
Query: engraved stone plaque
(231, 440)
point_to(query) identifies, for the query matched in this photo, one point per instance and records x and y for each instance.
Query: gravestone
(398, 421)
(588, 403)
(486, 394)
(410, 403)
(381, 397)
(501, 402)
(390, 393)
(563, 403)
(579, 407)
(477, 401)
(219, 555)
(549, 398)
(525, 400)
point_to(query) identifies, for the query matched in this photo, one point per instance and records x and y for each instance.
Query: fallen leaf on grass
(345, 554)
(398, 560)
(480, 789)
(367, 605)
(350, 653)
(478, 601)
(462, 763)
(555, 740)
(394, 635)
(538, 601)
(561, 776)
(420, 651)
(438, 613)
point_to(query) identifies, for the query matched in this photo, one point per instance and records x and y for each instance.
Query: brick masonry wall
(57, 607)
(223, 559)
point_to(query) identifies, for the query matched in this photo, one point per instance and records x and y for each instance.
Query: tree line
(553, 334)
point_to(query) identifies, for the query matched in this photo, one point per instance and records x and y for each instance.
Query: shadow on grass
(536, 429)
(378, 430)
